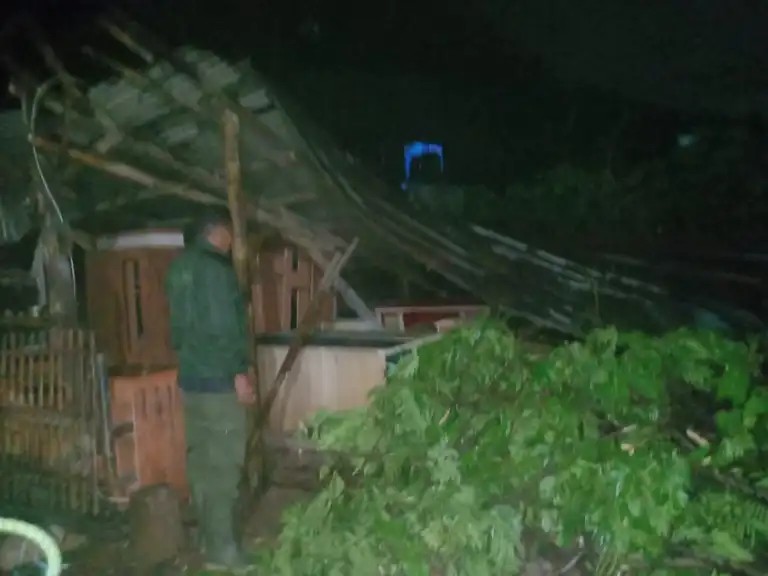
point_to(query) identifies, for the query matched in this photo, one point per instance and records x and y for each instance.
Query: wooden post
(256, 445)
(235, 199)
(254, 465)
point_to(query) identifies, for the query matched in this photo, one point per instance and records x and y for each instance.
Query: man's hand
(244, 389)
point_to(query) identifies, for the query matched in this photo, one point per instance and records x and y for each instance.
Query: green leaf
(734, 385)
(547, 487)
(726, 546)
(755, 408)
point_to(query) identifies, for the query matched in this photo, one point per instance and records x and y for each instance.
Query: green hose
(40, 537)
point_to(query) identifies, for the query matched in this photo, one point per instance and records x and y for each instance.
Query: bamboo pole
(291, 225)
(254, 468)
(52, 60)
(235, 199)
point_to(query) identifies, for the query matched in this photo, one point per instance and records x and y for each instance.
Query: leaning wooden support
(307, 324)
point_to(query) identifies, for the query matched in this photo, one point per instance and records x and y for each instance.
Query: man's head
(216, 228)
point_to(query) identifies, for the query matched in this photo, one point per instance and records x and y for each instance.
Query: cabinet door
(104, 297)
(156, 341)
(147, 321)
(127, 307)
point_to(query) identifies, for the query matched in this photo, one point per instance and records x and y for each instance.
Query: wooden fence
(50, 419)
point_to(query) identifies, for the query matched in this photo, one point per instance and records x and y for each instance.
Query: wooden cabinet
(127, 308)
(128, 311)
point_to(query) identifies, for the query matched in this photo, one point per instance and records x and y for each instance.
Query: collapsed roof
(147, 144)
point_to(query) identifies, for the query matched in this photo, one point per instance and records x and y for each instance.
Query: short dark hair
(212, 219)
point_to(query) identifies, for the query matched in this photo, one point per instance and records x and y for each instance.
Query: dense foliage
(713, 189)
(642, 452)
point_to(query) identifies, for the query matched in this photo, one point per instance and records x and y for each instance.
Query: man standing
(209, 331)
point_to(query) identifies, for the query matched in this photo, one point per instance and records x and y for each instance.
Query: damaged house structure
(120, 168)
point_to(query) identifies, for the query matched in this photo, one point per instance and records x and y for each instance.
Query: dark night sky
(422, 67)
(499, 96)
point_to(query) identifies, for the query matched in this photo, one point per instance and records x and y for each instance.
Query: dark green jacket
(209, 324)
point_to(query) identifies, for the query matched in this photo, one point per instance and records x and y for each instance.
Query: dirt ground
(108, 553)
(112, 556)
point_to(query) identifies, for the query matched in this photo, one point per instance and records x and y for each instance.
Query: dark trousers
(216, 436)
